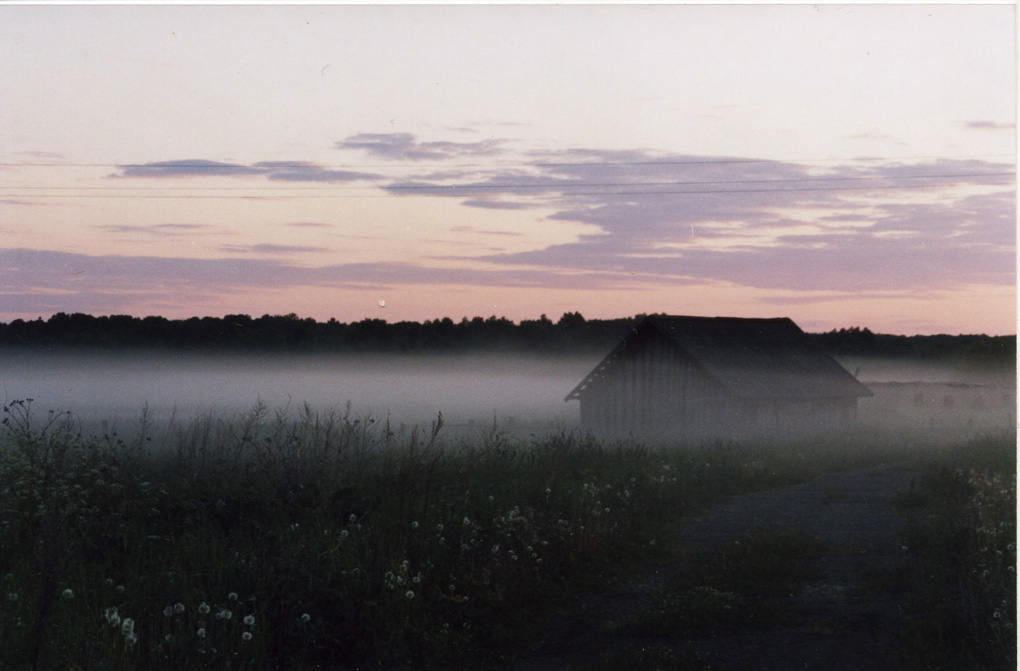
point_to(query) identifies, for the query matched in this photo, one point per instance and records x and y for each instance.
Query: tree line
(570, 333)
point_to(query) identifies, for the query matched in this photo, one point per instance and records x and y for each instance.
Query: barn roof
(749, 358)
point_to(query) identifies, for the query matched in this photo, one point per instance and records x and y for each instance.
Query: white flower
(414, 525)
(249, 620)
(67, 594)
(224, 614)
(409, 594)
(203, 608)
(112, 618)
(246, 636)
(131, 638)
(305, 617)
(232, 596)
(467, 520)
(179, 608)
(127, 627)
(200, 633)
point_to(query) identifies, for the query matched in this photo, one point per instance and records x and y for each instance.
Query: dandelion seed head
(249, 620)
(305, 617)
(246, 636)
(67, 594)
(232, 596)
(203, 608)
(201, 632)
(409, 594)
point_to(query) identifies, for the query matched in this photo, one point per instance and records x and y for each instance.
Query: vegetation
(276, 540)
(571, 333)
(961, 571)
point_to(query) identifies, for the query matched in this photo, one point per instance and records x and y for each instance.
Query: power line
(297, 165)
(270, 196)
(554, 186)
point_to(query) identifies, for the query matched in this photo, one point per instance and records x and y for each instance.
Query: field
(308, 538)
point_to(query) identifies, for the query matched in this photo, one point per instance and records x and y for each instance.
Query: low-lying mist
(404, 389)
(522, 395)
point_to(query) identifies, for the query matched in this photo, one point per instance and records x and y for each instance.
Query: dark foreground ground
(803, 577)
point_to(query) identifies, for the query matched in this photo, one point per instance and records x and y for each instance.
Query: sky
(843, 166)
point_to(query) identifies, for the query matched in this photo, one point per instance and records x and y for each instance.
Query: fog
(526, 393)
(522, 395)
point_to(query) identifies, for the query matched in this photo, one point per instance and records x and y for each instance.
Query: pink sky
(843, 166)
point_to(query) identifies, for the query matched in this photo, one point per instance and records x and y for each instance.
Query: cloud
(758, 223)
(186, 168)
(472, 229)
(67, 282)
(159, 230)
(269, 249)
(287, 171)
(989, 125)
(496, 204)
(406, 147)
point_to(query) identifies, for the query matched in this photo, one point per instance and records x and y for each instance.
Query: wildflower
(353, 518)
(249, 620)
(232, 596)
(343, 534)
(409, 594)
(179, 608)
(168, 611)
(224, 614)
(414, 525)
(246, 636)
(127, 627)
(467, 521)
(201, 632)
(67, 594)
(305, 617)
(203, 608)
(112, 618)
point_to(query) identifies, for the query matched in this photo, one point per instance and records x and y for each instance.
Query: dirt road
(837, 609)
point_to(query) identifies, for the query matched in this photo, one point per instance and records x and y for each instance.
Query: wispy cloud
(159, 230)
(270, 249)
(765, 224)
(406, 147)
(989, 125)
(288, 171)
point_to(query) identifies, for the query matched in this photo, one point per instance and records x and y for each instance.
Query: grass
(300, 539)
(961, 568)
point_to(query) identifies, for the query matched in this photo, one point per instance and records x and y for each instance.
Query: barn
(716, 377)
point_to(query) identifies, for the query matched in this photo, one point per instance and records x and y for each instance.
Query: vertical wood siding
(653, 391)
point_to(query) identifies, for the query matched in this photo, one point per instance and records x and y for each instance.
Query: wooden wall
(654, 392)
